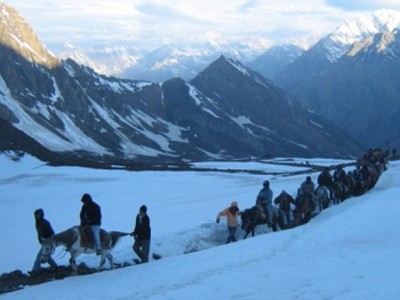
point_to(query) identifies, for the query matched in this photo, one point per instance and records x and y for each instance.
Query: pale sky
(151, 23)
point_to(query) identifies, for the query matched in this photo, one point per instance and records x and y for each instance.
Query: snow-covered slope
(350, 251)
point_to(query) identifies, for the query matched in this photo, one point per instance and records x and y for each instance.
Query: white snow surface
(349, 251)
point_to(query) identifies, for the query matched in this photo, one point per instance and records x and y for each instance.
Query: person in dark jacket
(339, 174)
(326, 179)
(142, 235)
(264, 198)
(91, 216)
(283, 201)
(44, 231)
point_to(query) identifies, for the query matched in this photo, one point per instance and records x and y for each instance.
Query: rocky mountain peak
(378, 43)
(350, 32)
(16, 34)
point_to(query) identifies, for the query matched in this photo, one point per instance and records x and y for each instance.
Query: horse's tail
(115, 236)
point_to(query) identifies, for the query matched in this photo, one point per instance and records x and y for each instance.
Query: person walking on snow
(142, 235)
(91, 216)
(44, 231)
(231, 213)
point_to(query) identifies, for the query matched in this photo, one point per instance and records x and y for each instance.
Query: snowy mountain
(329, 49)
(168, 61)
(226, 111)
(341, 40)
(351, 78)
(275, 59)
(107, 58)
(360, 93)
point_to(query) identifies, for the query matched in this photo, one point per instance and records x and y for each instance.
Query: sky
(348, 251)
(151, 23)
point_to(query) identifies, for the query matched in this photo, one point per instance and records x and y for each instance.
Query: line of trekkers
(279, 214)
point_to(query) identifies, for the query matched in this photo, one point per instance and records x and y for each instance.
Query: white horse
(322, 196)
(76, 244)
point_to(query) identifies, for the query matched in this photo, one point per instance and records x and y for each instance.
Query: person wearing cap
(142, 235)
(231, 212)
(44, 231)
(91, 216)
(264, 198)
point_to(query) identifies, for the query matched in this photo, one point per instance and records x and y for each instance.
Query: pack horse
(78, 240)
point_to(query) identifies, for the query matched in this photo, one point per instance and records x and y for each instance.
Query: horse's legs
(307, 217)
(245, 236)
(249, 228)
(102, 259)
(72, 262)
(110, 259)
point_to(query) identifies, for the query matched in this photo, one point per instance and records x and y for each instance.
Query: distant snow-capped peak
(182, 60)
(340, 41)
(105, 58)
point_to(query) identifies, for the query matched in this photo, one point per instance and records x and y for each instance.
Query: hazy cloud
(153, 22)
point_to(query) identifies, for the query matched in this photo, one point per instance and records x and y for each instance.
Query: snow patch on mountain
(340, 41)
(32, 128)
(199, 99)
(244, 122)
(238, 66)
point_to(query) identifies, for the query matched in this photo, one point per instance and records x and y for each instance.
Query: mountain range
(125, 60)
(360, 92)
(307, 71)
(227, 111)
(351, 77)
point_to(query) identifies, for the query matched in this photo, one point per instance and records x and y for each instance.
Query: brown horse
(339, 193)
(304, 209)
(252, 217)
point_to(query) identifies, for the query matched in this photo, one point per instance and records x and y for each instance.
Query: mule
(78, 240)
(322, 196)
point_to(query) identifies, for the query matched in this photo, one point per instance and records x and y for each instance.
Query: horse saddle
(87, 240)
